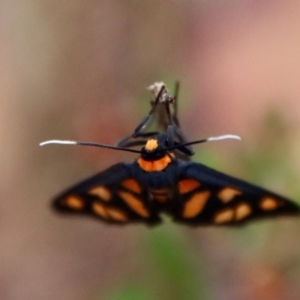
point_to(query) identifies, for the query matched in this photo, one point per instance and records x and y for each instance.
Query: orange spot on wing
(228, 193)
(242, 211)
(154, 165)
(101, 192)
(131, 185)
(117, 215)
(195, 204)
(109, 213)
(73, 202)
(269, 203)
(224, 216)
(188, 185)
(135, 204)
(100, 210)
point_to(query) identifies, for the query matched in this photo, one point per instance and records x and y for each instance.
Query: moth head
(154, 148)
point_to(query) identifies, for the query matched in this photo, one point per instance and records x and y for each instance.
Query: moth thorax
(151, 145)
(154, 164)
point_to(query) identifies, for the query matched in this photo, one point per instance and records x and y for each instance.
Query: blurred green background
(78, 70)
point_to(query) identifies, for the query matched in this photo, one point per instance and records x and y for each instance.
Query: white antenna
(224, 137)
(62, 142)
(210, 139)
(58, 142)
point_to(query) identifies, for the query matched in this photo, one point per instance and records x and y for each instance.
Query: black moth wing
(113, 196)
(209, 197)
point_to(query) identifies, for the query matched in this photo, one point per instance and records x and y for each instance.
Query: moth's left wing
(113, 196)
(208, 197)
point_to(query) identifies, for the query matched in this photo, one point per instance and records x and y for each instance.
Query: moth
(157, 181)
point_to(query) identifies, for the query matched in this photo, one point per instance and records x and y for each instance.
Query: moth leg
(137, 133)
(182, 139)
(138, 129)
(175, 114)
(174, 127)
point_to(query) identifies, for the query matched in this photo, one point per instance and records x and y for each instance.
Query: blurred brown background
(78, 70)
